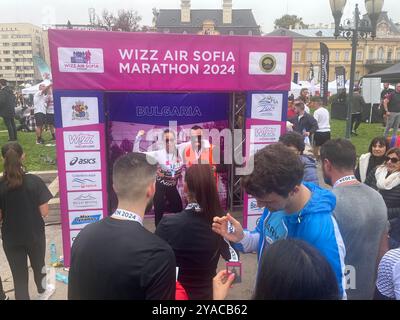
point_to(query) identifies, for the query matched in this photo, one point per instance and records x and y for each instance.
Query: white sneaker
(47, 294)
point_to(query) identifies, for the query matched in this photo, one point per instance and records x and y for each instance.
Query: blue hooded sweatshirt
(310, 169)
(314, 224)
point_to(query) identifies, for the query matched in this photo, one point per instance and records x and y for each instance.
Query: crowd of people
(338, 240)
(36, 115)
(312, 243)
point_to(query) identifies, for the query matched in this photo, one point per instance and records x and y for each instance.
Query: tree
(127, 20)
(156, 12)
(107, 19)
(288, 21)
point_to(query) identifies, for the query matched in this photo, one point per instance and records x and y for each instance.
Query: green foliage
(366, 132)
(287, 21)
(37, 157)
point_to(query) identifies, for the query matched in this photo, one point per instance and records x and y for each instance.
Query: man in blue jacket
(292, 210)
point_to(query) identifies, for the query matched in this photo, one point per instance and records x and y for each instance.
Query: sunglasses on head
(392, 160)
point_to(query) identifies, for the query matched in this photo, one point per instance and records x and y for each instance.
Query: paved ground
(53, 235)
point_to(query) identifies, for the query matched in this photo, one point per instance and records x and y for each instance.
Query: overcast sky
(266, 11)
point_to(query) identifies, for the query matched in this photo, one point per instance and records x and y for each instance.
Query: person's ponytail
(13, 172)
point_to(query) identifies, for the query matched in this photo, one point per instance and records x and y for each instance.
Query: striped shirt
(388, 282)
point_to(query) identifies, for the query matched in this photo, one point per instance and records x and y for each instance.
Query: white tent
(35, 88)
(295, 89)
(332, 87)
(305, 84)
(390, 86)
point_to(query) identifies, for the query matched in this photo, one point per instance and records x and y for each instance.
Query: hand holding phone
(235, 268)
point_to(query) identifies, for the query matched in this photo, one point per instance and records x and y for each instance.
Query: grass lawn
(366, 132)
(37, 156)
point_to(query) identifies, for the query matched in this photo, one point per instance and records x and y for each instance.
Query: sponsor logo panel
(267, 63)
(265, 133)
(267, 107)
(79, 111)
(78, 181)
(85, 200)
(83, 140)
(252, 222)
(252, 208)
(82, 161)
(72, 236)
(79, 220)
(82, 60)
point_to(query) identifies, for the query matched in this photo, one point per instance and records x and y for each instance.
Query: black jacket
(392, 200)
(197, 250)
(7, 103)
(357, 103)
(391, 197)
(307, 122)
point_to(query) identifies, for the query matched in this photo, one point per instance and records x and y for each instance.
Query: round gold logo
(267, 63)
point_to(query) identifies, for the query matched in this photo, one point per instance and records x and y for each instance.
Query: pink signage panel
(260, 133)
(83, 186)
(98, 60)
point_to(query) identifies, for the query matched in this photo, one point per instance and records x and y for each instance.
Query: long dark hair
(381, 140)
(202, 188)
(294, 270)
(13, 172)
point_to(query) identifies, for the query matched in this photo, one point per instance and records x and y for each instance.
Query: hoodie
(314, 224)
(310, 169)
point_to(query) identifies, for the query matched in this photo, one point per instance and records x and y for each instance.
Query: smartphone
(236, 268)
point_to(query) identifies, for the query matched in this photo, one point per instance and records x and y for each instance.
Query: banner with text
(130, 113)
(82, 162)
(153, 61)
(324, 80)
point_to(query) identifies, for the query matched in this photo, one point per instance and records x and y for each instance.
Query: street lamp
(361, 29)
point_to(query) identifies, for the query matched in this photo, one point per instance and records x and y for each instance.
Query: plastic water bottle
(62, 278)
(53, 254)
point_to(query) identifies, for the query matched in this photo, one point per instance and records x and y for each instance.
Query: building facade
(19, 43)
(372, 55)
(226, 21)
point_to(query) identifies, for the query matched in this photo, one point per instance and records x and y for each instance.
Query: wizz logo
(81, 139)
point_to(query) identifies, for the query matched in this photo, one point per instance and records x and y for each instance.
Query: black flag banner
(341, 81)
(324, 80)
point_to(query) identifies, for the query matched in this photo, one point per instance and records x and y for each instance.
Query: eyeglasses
(392, 160)
(169, 140)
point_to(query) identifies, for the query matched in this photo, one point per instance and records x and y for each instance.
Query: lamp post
(357, 30)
